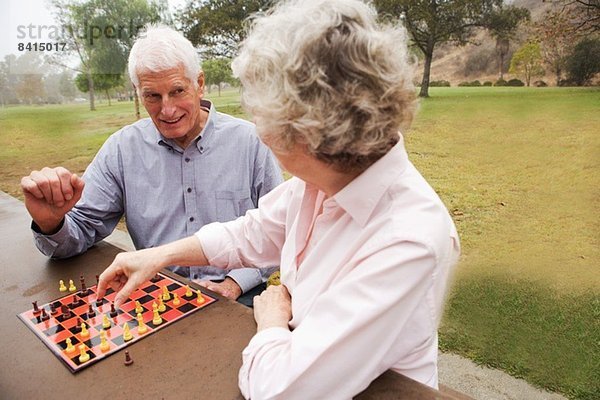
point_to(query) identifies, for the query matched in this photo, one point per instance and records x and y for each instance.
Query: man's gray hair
(160, 48)
(325, 74)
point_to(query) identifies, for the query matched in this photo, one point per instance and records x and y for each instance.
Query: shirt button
(189, 190)
(191, 219)
(187, 159)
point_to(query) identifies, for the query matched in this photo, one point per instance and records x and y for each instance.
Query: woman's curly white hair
(325, 74)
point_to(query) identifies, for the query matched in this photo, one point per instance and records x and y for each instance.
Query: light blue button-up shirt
(168, 193)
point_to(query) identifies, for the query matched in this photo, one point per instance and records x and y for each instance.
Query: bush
(515, 82)
(470, 84)
(540, 84)
(566, 83)
(53, 100)
(584, 62)
(441, 83)
(500, 82)
(487, 83)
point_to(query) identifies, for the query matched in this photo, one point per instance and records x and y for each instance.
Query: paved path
(463, 375)
(456, 372)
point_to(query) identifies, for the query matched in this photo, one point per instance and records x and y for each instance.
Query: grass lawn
(518, 169)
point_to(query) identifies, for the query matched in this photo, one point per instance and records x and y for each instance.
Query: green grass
(518, 169)
(531, 332)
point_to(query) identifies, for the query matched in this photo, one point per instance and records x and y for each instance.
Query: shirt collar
(360, 196)
(203, 136)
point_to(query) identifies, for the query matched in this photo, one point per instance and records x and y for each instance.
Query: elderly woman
(364, 243)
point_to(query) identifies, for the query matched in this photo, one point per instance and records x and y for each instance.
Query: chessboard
(81, 330)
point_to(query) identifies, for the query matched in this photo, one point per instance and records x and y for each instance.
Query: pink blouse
(367, 278)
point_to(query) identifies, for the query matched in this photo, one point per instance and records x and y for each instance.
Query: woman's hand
(131, 269)
(273, 308)
(127, 272)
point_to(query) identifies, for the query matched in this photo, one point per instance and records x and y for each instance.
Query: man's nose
(168, 107)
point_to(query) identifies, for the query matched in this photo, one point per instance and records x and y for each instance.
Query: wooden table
(196, 357)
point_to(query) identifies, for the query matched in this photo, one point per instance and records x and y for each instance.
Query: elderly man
(169, 175)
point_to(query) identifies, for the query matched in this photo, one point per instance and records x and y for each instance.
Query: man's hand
(127, 272)
(273, 308)
(228, 288)
(50, 194)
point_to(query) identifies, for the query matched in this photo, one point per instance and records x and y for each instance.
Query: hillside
(478, 60)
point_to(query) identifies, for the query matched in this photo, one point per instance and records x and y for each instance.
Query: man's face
(173, 103)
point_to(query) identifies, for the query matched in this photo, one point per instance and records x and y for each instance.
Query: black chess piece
(128, 359)
(84, 290)
(74, 302)
(66, 313)
(36, 310)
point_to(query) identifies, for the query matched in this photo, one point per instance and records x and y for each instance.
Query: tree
(3, 83)
(217, 25)
(555, 34)
(584, 62)
(75, 18)
(584, 15)
(103, 82)
(133, 14)
(502, 25)
(9, 81)
(30, 88)
(217, 71)
(433, 22)
(27, 73)
(101, 32)
(66, 86)
(527, 61)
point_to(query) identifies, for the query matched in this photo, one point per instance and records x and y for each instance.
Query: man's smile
(171, 121)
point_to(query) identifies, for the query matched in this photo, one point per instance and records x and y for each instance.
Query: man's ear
(201, 82)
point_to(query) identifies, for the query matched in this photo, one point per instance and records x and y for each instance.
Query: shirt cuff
(48, 244)
(246, 278)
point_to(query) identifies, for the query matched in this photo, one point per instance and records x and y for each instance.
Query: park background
(507, 134)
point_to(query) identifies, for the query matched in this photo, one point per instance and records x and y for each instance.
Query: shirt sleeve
(98, 211)
(358, 328)
(246, 278)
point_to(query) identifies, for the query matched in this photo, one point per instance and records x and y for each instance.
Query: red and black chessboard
(55, 330)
